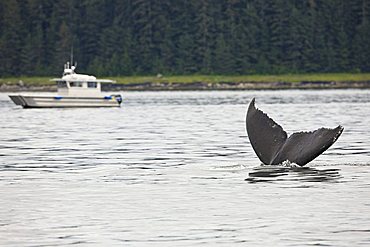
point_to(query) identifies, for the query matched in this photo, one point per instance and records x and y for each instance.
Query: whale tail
(272, 145)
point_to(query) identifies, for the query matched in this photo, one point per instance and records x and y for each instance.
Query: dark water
(176, 169)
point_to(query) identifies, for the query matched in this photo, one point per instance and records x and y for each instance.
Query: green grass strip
(34, 81)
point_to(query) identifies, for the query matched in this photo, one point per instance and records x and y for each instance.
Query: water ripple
(304, 174)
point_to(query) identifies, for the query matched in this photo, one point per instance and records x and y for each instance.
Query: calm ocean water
(177, 169)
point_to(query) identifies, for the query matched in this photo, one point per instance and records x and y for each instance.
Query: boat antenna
(73, 66)
(72, 55)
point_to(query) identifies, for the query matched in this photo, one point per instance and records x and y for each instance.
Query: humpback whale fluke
(272, 145)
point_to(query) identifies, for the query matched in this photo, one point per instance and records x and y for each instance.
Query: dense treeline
(126, 37)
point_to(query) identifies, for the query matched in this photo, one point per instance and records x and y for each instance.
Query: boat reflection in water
(74, 90)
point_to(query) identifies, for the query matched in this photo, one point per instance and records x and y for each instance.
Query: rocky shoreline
(168, 86)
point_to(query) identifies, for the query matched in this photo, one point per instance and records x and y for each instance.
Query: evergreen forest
(181, 37)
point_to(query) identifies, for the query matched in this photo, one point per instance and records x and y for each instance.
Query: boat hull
(32, 101)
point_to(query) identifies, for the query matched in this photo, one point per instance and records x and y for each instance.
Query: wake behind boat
(74, 90)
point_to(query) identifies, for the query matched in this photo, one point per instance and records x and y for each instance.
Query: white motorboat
(74, 90)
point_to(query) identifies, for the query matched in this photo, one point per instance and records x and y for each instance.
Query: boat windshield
(75, 84)
(92, 84)
(62, 84)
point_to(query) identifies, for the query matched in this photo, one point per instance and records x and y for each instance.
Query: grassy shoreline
(209, 78)
(204, 82)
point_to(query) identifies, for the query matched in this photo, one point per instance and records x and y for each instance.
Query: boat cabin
(72, 84)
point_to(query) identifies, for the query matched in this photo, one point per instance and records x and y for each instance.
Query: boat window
(75, 84)
(92, 84)
(62, 84)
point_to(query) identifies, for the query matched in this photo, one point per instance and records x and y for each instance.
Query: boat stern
(118, 98)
